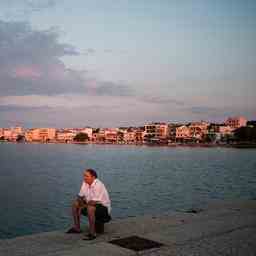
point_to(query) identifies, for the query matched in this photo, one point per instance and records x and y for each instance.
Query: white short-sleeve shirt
(96, 192)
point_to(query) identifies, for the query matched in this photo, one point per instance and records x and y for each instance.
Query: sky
(111, 63)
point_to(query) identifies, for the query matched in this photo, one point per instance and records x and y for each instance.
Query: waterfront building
(12, 134)
(29, 135)
(197, 133)
(7, 133)
(156, 131)
(129, 137)
(171, 134)
(225, 130)
(219, 132)
(18, 130)
(203, 126)
(139, 135)
(198, 130)
(163, 130)
(98, 136)
(236, 122)
(110, 135)
(183, 133)
(41, 134)
(65, 136)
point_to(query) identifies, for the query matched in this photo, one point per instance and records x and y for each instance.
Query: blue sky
(115, 63)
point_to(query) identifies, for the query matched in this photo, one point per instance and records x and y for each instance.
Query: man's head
(89, 176)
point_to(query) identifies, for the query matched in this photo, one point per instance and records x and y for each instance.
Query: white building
(65, 136)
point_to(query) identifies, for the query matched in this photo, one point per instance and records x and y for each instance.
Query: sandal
(73, 231)
(89, 237)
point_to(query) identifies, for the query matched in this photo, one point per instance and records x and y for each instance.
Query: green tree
(20, 138)
(81, 137)
(209, 137)
(120, 136)
(97, 130)
(245, 134)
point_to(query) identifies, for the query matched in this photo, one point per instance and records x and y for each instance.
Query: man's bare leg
(76, 212)
(91, 218)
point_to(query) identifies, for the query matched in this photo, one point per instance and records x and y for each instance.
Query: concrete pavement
(221, 228)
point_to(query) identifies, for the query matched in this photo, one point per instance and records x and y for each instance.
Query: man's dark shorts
(101, 213)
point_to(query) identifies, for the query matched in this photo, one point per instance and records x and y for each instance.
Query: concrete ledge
(221, 228)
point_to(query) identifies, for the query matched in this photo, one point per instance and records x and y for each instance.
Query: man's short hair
(92, 172)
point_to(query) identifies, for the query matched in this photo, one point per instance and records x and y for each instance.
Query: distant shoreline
(190, 145)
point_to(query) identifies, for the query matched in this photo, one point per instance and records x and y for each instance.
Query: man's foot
(89, 237)
(74, 230)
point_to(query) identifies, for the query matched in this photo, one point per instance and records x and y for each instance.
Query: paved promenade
(222, 228)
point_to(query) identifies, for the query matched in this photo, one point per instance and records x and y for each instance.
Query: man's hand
(81, 200)
(92, 203)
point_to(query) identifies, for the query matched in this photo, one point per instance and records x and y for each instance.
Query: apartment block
(129, 136)
(172, 131)
(111, 135)
(156, 130)
(11, 133)
(236, 122)
(183, 133)
(41, 134)
(65, 136)
(198, 129)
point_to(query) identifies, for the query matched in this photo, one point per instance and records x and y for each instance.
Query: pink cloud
(27, 72)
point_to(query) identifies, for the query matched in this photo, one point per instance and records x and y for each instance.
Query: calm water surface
(39, 181)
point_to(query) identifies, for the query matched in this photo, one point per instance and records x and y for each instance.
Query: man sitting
(92, 201)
